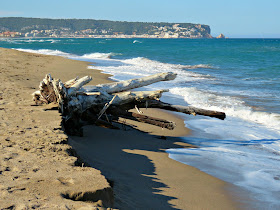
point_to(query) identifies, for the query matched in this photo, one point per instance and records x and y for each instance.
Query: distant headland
(89, 28)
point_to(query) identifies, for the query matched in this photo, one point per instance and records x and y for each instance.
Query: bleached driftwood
(80, 104)
(117, 87)
(70, 82)
(77, 85)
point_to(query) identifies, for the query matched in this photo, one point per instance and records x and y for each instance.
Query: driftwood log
(104, 103)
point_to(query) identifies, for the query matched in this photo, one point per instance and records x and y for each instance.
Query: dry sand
(38, 171)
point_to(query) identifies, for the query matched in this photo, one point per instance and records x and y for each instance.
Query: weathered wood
(83, 102)
(60, 92)
(46, 93)
(78, 84)
(107, 105)
(129, 97)
(117, 87)
(183, 109)
(37, 97)
(70, 82)
(143, 118)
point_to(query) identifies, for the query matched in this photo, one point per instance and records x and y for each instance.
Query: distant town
(75, 28)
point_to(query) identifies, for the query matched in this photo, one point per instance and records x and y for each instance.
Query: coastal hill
(38, 27)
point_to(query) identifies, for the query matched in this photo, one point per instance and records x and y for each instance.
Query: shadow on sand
(123, 158)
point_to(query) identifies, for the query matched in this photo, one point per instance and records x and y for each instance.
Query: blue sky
(238, 18)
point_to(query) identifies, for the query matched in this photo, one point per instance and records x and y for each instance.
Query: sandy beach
(122, 169)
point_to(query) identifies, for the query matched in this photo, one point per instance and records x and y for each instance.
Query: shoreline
(168, 190)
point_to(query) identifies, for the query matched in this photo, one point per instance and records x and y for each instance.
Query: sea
(240, 77)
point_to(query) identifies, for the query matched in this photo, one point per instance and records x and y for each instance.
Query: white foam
(99, 55)
(90, 56)
(138, 67)
(32, 40)
(24, 40)
(52, 41)
(136, 41)
(243, 163)
(47, 52)
(12, 41)
(232, 106)
(145, 62)
(243, 149)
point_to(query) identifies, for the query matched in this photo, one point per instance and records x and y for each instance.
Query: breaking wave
(232, 106)
(69, 55)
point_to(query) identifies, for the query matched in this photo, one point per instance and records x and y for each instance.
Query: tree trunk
(184, 109)
(117, 87)
(143, 118)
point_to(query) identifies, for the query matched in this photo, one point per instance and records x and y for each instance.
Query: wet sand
(38, 171)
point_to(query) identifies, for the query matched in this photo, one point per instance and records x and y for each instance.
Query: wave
(69, 55)
(22, 41)
(31, 40)
(141, 61)
(47, 52)
(247, 140)
(232, 106)
(10, 41)
(136, 41)
(99, 55)
(52, 41)
(144, 66)
(140, 66)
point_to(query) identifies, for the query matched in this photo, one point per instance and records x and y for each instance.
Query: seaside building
(10, 34)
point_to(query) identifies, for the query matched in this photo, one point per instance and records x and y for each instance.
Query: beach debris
(82, 104)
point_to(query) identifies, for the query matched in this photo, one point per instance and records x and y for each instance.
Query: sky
(235, 19)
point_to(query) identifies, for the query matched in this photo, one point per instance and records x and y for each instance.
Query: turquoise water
(238, 76)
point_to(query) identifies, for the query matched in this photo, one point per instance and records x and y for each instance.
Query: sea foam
(46, 52)
(232, 106)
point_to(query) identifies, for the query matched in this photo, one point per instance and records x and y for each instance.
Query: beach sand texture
(38, 168)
